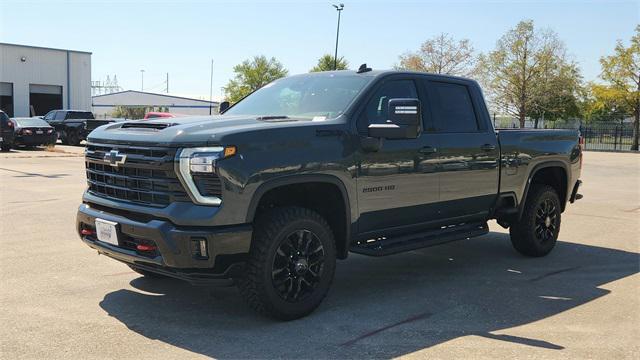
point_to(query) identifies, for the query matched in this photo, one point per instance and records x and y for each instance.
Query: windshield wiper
(272, 117)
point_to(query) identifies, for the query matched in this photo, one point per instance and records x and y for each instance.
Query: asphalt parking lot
(472, 299)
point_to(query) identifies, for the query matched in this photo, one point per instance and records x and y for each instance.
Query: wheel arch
(553, 173)
(292, 185)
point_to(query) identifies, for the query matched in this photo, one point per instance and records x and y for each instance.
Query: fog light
(200, 248)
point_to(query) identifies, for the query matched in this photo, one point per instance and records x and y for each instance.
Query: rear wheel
(537, 231)
(5, 147)
(291, 263)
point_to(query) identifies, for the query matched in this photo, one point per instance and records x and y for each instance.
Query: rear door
(397, 184)
(468, 153)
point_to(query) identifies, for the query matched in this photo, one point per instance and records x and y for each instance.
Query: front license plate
(39, 132)
(106, 231)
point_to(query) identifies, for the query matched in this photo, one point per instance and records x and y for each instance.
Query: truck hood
(181, 131)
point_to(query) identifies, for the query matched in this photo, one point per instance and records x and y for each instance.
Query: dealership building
(105, 105)
(35, 80)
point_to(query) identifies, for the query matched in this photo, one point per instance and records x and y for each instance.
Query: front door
(398, 183)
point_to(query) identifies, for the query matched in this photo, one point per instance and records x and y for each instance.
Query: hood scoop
(146, 125)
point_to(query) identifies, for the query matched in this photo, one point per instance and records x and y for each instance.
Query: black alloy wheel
(298, 265)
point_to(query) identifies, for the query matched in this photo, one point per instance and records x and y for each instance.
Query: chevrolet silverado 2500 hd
(312, 167)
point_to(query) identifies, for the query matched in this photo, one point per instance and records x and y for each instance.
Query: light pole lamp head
(338, 7)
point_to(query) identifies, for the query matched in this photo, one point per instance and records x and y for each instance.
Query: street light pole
(142, 77)
(211, 89)
(339, 8)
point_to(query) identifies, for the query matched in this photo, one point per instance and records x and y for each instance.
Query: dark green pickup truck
(312, 167)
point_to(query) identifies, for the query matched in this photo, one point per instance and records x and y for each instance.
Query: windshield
(307, 97)
(27, 122)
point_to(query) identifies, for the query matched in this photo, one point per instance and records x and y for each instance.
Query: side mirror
(405, 118)
(223, 107)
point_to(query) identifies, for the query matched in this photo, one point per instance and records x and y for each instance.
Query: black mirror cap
(405, 112)
(223, 107)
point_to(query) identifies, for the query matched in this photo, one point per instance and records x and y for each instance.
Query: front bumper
(177, 246)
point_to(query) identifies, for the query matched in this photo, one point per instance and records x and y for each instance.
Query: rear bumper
(35, 139)
(177, 247)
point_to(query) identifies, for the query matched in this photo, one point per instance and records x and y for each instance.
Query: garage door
(6, 98)
(44, 98)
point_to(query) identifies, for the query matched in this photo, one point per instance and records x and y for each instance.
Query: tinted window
(59, 115)
(30, 122)
(76, 115)
(452, 108)
(377, 108)
(49, 115)
(3, 118)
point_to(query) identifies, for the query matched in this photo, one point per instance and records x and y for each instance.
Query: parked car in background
(156, 115)
(73, 126)
(6, 132)
(33, 132)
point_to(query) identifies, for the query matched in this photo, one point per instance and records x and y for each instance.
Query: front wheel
(291, 263)
(537, 231)
(73, 138)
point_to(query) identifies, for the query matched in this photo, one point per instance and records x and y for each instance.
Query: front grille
(146, 176)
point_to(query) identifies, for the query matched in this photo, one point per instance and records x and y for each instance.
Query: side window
(59, 115)
(49, 115)
(376, 111)
(452, 107)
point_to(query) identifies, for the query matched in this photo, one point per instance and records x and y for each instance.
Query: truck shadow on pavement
(385, 307)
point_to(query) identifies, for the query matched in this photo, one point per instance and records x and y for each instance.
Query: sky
(181, 37)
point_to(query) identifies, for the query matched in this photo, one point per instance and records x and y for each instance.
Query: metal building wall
(25, 65)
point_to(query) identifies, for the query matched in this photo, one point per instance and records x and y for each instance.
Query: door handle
(428, 150)
(488, 147)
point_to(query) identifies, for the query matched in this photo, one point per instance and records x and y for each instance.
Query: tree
(250, 75)
(622, 71)
(605, 103)
(325, 63)
(555, 94)
(441, 55)
(528, 73)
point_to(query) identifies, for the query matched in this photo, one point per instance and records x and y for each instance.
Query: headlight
(201, 160)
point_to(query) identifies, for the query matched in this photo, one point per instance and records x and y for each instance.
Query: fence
(602, 136)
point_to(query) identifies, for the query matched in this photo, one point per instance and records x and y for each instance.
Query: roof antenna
(363, 69)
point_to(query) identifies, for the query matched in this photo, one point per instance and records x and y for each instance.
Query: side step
(388, 246)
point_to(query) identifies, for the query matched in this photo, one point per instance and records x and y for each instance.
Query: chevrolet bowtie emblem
(114, 158)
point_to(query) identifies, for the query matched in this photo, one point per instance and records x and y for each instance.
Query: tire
(5, 147)
(72, 138)
(537, 231)
(291, 263)
(147, 274)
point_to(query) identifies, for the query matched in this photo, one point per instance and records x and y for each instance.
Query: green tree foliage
(622, 72)
(605, 103)
(528, 74)
(325, 63)
(441, 55)
(250, 75)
